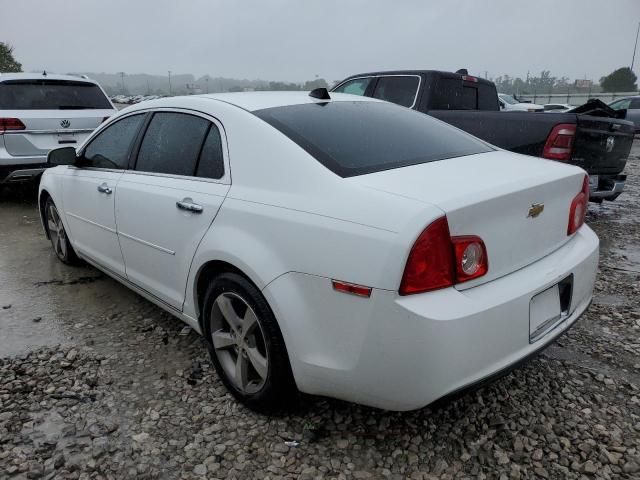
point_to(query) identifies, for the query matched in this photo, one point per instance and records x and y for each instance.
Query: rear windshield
(355, 138)
(51, 95)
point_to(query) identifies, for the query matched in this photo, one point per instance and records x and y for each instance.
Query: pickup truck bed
(599, 142)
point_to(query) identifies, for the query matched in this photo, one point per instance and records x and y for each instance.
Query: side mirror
(501, 104)
(62, 156)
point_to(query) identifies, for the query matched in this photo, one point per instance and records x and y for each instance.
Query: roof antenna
(44, 73)
(320, 93)
(462, 71)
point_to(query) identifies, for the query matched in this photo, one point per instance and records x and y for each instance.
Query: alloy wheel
(56, 232)
(239, 342)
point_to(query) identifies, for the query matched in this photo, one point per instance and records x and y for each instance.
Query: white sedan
(342, 246)
(510, 104)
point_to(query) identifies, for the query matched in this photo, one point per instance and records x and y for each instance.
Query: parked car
(598, 142)
(632, 107)
(509, 103)
(388, 272)
(39, 112)
(557, 107)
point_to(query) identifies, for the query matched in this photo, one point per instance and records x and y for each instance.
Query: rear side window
(401, 90)
(110, 148)
(355, 138)
(635, 104)
(211, 164)
(51, 95)
(357, 86)
(172, 144)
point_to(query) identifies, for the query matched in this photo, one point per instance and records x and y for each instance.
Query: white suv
(39, 112)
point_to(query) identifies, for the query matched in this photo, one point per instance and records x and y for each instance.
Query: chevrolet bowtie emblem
(535, 210)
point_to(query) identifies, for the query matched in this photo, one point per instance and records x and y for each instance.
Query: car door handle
(104, 188)
(189, 205)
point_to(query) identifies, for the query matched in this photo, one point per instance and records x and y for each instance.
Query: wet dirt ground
(96, 382)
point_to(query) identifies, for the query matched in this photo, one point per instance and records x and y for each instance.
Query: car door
(633, 112)
(89, 191)
(168, 200)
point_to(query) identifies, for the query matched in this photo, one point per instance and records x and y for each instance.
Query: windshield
(355, 138)
(508, 98)
(51, 94)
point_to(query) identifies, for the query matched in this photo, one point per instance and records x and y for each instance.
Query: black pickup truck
(591, 136)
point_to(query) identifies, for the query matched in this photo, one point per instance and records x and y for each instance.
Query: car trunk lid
(518, 205)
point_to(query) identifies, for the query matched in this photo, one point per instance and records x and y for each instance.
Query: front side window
(360, 137)
(401, 90)
(509, 99)
(110, 148)
(172, 144)
(43, 94)
(357, 86)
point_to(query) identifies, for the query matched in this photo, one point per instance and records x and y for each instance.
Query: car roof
(440, 73)
(252, 101)
(43, 76)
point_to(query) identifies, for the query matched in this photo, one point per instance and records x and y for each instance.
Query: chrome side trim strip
(111, 230)
(148, 244)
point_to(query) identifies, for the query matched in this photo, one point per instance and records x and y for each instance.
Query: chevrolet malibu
(339, 246)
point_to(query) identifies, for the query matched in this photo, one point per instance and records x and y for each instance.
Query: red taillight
(578, 210)
(559, 144)
(430, 263)
(11, 124)
(469, 78)
(438, 260)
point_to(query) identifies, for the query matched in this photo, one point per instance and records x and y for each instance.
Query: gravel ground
(95, 383)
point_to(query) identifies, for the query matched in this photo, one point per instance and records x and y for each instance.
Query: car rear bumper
(22, 172)
(403, 353)
(606, 187)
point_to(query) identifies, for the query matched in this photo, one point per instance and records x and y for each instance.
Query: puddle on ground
(628, 258)
(41, 299)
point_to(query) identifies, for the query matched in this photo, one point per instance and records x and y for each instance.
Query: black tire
(58, 235)
(276, 390)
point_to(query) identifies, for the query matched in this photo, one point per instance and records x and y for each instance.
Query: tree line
(620, 80)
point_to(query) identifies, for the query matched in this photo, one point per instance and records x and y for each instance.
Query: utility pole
(206, 79)
(169, 82)
(634, 47)
(122, 80)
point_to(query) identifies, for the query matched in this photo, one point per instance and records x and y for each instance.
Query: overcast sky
(298, 39)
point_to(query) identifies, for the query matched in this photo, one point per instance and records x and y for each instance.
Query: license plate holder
(544, 312)
(66, 138)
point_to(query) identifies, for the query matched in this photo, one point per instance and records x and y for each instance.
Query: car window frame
(367, 91)
(133, 159)
(415, 97)
(101, 128)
